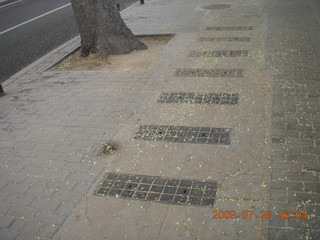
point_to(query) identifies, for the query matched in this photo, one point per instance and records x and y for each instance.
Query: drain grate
(230, 28)
(201, 72)
(201, 98)
(158, 189)
(224, 39)
(182, 134)
(219, 53)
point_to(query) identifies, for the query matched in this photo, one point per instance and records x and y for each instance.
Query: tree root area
(135, 61)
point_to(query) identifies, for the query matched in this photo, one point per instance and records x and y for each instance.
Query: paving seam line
(315, 9)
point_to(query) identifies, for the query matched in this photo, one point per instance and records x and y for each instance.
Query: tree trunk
(102, 29)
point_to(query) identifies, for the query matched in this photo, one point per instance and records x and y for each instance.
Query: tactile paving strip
(230, 28)
(202, 72)
(219, 53)
(201, 98)
(183, 134)
(224, 39)
(158, 189)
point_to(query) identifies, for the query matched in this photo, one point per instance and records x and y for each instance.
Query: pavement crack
(162, 224)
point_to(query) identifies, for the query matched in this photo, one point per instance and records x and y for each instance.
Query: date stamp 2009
(251, 214)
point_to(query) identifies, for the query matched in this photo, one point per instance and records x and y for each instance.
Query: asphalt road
(31, 28)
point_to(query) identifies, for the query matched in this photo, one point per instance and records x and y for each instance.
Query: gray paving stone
(82, 187)
(22, 212)
(57, 184)
(278, 195)
(66, 208)
(49, 218)
(6, 221)
(24, 236)
(66, 196)
(6, 235)
(60, 174)
(47, 232)
(311, 150)
(286, 166)
(19, 199)
(82, 177)
(40, 181)
(302, 176)
(312, 187)
(310, 224)
(16, 188)
(25, 227)
(45, 204)
(311, 167)
(13, 178)
(276, 222)
(38, 192)
(299, 197)
(4, 207)
(301, 158)
(283, 234)
(33, 171)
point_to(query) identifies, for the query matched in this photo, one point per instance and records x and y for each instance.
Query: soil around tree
(135, 61)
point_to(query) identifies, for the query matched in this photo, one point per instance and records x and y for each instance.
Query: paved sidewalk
(261, 150)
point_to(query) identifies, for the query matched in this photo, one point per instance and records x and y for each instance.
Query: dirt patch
(136, 60)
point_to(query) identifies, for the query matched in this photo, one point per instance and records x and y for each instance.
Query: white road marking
(10, 3)
(42, 15)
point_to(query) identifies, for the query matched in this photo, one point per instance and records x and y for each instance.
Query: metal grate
(201, 72)
(182, 134)
(230, 28)
(224, 39)
(201, 98)
(219, 53)
(158, 189)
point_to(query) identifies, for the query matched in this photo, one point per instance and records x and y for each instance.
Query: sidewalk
(254, 150)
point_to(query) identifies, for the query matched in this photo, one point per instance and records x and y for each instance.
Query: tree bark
(102, 29)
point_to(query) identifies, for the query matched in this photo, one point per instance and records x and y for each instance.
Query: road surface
(31, 28)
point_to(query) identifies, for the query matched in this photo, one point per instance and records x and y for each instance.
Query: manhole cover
(158, 189)
(200, 98)
(213, 72)
(216, 6)
(183, 134)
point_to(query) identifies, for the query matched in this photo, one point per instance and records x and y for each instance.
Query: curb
(28, 68)
(2, 93)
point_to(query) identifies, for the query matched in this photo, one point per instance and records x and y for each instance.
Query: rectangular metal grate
(201, 72)
(201, 98)
(230, 28)
(219, 53)
(224, 39)
(182, 134)
(158, 189)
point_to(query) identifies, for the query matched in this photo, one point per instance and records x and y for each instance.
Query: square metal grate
(224, 39)
(158, 189)
(202, 72)
(219, 53)
(230, 28)
(182, 134)
(201, 98)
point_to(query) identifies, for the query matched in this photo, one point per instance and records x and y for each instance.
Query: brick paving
(53, 123)
(292, 51)
(50, 122)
